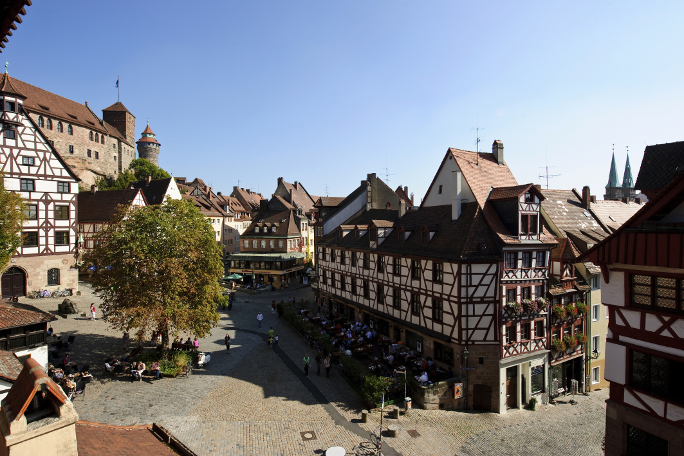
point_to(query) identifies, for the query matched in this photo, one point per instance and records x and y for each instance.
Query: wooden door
(511, 386)
(13, 283)
(482, 397)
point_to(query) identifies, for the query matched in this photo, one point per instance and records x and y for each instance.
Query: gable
(442, 191)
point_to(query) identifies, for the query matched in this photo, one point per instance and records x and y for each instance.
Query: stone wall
(36, 268)
(486, 373)
(149, 152)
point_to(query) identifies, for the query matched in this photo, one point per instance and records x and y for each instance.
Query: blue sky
(326, 92)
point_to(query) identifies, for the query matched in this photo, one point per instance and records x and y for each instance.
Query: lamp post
(405, 400)
(465, 354)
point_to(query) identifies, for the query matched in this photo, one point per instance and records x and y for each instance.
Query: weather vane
(6, 65)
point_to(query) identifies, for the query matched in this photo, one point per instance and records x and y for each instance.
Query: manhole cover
(308, 435)
(413, 433)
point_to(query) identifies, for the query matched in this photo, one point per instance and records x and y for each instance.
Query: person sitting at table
(154, 369)
(188, 344)
(423, 379)
(369, 334)
(430, 362)
(59, 344)
(136, 371)
(423, 364)
(390, 358)
(392, 348)
(58, 375)
(67, 360)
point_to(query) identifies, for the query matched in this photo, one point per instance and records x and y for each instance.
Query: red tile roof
(13, 315)
(11, 11)
(249, 200)
(147, 139)
(148, 130)
(102, 205)
(300, 197)
(7, 86)
(502, 193)
(94, 439)
(30, 380)
(10, 366)
(118, 106)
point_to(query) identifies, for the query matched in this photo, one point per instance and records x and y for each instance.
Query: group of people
(319, 359)
(137, 370)
(189, 343)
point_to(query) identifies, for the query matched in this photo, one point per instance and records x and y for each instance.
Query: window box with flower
(581, 308)
(558, 345)
(514, 307)
(558, 311)
(581, 338)
(571, 309)
(529, 306)
(570, 342)
(542, 304)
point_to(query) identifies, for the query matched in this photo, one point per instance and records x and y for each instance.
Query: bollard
(392, 430)
(394, 413)
(364, 416)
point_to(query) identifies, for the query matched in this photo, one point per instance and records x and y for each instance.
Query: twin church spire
(615, 191)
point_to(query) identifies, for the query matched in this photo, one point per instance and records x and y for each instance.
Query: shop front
(278, 270)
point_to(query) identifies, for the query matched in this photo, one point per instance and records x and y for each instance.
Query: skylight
(611, 217)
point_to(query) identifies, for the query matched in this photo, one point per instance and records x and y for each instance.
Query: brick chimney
(637, 200)
(148, 179)
(592, 198)
(625, 199)
(93, 189)
(497, 151)
(586, 196)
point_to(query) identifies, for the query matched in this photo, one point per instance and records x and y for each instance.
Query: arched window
(53, 276)
(48, 124)
(59, 127)
(97, 138)
(70, 130)
(41, 122)
(102, 139)
(91, 135)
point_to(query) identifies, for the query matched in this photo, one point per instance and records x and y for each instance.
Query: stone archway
(13, 282)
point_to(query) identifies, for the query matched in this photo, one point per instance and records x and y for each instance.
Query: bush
(581, 338)
(581, 308)
(570, 342)
(570, 309)
(542, 304)
(374, 387)
(533, 404)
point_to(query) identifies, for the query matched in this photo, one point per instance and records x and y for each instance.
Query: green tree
(138, 169)
(159, 268)
(12, 217)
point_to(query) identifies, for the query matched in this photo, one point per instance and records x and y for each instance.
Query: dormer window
(529, 197)
(256, 229)
(373, 234)
(273, 229)
(529, 224)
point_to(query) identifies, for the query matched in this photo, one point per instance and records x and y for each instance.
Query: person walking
(326, 364)
(306, 365)
(273, 307)
(270, 341)
(271, 333)
(276, 339)
(260, 317)
(227, 339)
(318, 364)
(92, 312)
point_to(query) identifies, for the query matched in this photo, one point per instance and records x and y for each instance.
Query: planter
(581, 308)
(570, 342)
(530, 306)
(581, 338)
(570, 310)
(558, 345)
(558, 311)
(542, 304)
(514, 307)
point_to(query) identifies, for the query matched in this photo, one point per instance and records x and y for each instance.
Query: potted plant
(570, 309)
(570, 342)
(558, 345)
(542, 304)
(529, 306)
(581, 338)
(558, 311)
(581, 308)
(514, 307)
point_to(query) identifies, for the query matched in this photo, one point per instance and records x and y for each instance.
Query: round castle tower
(148, 147)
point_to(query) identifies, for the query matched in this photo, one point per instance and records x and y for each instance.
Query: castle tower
(148, 147)
(613, 188)
(121, 118)
(628, 183)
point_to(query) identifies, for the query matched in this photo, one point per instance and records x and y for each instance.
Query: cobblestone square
(257, 401)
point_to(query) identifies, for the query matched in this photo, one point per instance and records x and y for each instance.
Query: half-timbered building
(642, 281)
(470, 262)
(96, 209)
(34, 169)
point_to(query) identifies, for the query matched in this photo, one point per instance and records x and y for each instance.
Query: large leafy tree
(12, 217)
(158, 269)
(137, 170)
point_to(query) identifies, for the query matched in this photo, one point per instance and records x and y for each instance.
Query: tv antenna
(546, 175)
(477, 139)
(387, 173)
(326, 190)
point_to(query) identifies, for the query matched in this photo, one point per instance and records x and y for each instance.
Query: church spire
(627, 181)
(612, 177)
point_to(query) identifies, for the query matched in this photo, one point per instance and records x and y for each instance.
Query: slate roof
(469, 237)
(31, 379)
(101, 206)
(10, 366)
(659, 166)
(403, 196)
(568, 214)
(619, 211)
(13, 315)
(154, 191)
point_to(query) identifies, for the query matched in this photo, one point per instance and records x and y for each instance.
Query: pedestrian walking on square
(227, 339)
(271, 333)
(273, 307)
(306, 365)
(318, 364)
(92, 312)
(259, 318)
(326, 364)
(276, 339)
(270, 341)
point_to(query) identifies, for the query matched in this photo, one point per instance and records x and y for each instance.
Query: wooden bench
(177, 346)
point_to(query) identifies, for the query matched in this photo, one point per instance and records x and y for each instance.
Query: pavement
(256, 400)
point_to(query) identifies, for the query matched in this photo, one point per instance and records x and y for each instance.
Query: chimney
(586, 196)
(406, 189)
(86, 103)
(281, 181)
(637, 200)
(219, 194)
(148, 179)
(291, 196)
(592, 198)
(625, 199)
(263, 205)
(412, 204)
(497, 151)
(93, 189)
(370, 197)
(402, 208)
(456, 195)
(208, 191)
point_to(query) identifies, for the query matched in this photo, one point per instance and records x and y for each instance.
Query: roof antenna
(547, 175)
(387, 173)
(477, 140)
(326, 189)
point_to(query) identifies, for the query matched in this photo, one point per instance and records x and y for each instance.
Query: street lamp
(405, 400)
(465, 354)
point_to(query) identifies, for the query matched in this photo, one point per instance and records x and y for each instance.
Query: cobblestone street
(256, 400)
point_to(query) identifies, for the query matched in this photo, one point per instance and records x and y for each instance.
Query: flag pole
(118, 90)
